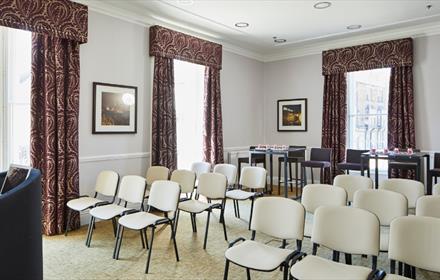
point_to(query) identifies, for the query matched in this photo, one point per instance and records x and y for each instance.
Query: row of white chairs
(414, 241)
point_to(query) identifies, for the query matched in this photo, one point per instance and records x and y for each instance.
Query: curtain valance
(59, 18)
(176, 45)
(370, 56)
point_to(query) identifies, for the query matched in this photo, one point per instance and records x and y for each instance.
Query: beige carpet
(68, 257)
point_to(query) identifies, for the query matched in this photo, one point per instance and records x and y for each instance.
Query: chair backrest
(229, 170)
(164, 195)
(320, 154)
(415, 240)
(346, 229)
(155, 173)
(437, 160)
(316, 195)
(107, 183)
(253, 177)
(132, 188)
(200, 168)
(354, 156)
(411, 189)
(429, 206)
(386, 205)
(185, 178)
(279, 217)
(436, 189)
(352, 183)
(212, 185)
(297, 154)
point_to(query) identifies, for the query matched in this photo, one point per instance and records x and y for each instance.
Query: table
(394, 156)
(271, 152)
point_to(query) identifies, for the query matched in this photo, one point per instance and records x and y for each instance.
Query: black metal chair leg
(90, 232)
(151, 249)
(146, 239)
(285, 271)
(69, 213)
(311, 171)
(238, 209)
(224, 224)
(121, 235)
(248, 274)
(195, 222)
(114, 226)
(176, 221)
(225, 274)
(206, 231)
(142, 239)
(117, 241)
(235, 209)
(173, 234)
(252, 210)
(290, 177)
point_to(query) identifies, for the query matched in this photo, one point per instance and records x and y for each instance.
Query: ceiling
(296, 21)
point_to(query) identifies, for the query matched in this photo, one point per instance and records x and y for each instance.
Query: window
(189, 87)
(367, 122)
(15, 87)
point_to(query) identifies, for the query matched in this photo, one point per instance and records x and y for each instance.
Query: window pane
(189, 87)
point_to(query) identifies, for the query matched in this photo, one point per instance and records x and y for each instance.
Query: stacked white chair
(131, 190)
(411, 189)
(342, 229)
(277, 217)
(164, 196)
(252, 178)
(106, 185)
(155, 173)
(386, 205)
(316, 195)
(415, 242)
(212, 186)
(229, 170)
(352, 183)
(429, 206)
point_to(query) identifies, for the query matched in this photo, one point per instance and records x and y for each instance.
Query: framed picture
(114, 108)
(292, 115)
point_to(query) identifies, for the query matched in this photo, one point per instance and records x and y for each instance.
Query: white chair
(106, 185)
(386, 205)
(316, 195)
(342, 229)
(186, 180)
(411, 189)
(277, 217)
(428, 206)
(213, 187)
(164, 196)
(229, 170)
(436, 189)
(155, 173)
(352, 183)
(252, 178)
(131, 190)
(415, 242)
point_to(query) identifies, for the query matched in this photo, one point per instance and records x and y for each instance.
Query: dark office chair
(404, 164)
(295, 157)
(256, 159)
(435, 172)
(353, 162)
(319, 158)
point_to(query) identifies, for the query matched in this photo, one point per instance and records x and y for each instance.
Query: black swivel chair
(404, 164)
(319, 158)
(256, 159)
(295, 157)
(353, 162)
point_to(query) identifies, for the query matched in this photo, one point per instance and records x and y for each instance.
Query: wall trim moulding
(112, 157)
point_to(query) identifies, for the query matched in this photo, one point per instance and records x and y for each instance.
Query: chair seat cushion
(314, 267)
(308, 225)
(384, 238)
(107, 212)
(82, 203)
(255, 255)
(193, 206)
(395, 277)
(239, 194)
(316, 164)
(138, 220)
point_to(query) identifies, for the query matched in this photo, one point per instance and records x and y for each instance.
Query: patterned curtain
(54, 126)
(401, 131)
(213, 131)
(163, 142)
(334, 114)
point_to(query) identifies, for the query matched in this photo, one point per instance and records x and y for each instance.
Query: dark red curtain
(54, 126)
(334, 118)
(401, 131)
(164, 140)
(213, 131)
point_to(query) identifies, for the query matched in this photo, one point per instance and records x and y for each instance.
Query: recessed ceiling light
(242, 24)
(185, 2)
(354, 26)
(322, 5)
(279, 40)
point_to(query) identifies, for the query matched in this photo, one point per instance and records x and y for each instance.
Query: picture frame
(114, 109)
(292, 115)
